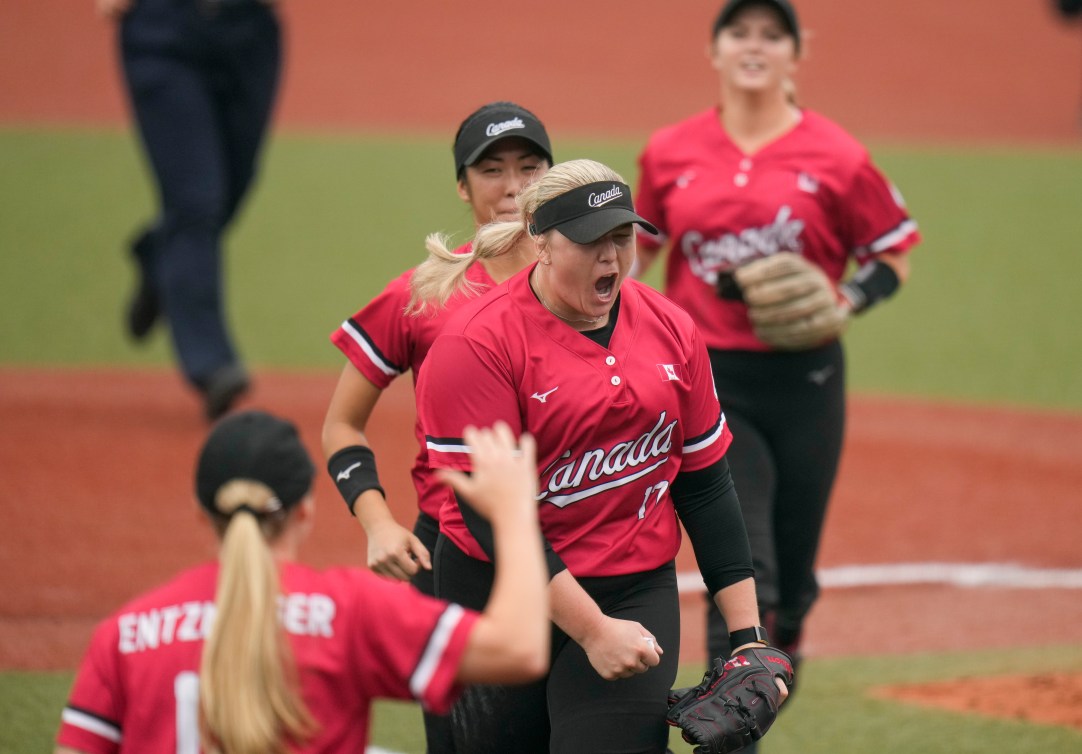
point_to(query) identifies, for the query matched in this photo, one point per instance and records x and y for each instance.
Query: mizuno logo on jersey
(596, 200)
(808, 183)
(543, 397)
(568, 480)
(670, 372)
(708, 255)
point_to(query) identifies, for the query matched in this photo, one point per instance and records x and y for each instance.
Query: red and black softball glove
(736, 702)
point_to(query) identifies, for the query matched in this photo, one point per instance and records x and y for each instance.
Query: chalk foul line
(964, 575)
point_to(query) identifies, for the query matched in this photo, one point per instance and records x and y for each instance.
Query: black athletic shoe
(223, 389)
(144, 309)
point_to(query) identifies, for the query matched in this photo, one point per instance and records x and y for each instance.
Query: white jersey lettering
(707, 256)
(300, 614)
(564, 485)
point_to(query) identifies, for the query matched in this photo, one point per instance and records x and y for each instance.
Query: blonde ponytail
(437, 278)
(444, 273)
(249, 697)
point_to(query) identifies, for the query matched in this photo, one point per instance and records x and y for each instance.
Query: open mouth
(605, 286)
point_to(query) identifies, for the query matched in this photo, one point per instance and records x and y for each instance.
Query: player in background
(497, 150)
(753, 177)
(257, 653)
(613, 381)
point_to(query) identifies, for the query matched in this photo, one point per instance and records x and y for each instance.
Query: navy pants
(202, 77)
(787, 415)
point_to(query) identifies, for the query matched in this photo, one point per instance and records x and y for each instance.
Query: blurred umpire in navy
(202, 77)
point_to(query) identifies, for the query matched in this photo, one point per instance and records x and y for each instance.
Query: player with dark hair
(613, 381)
(497, 150)
(764, 206)
(202, 76)
(257, 653)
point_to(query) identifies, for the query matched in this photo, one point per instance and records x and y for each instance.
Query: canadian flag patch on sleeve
(671, 372)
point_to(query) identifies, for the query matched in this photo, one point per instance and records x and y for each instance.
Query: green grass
(833, 712)
(988, 315)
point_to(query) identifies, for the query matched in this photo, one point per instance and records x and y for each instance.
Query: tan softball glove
(792, 304)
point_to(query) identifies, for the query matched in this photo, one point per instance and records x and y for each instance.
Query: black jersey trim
(707, 438)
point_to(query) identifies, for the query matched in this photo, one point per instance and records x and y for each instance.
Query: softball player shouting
(763, 206)
(222, 658)
(614, 382)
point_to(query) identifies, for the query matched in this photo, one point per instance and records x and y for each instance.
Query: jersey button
(740, 179)
(745, 164)
(610, 360)
(615, 380)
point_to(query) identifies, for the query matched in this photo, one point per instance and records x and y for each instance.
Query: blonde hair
(249, 697)
(438, 278)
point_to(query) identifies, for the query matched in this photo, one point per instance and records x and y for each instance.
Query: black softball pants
(572, 710)
(786, 411)
(202, 78)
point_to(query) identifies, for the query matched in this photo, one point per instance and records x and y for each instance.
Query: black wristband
(871, 284)
(753, 635)
(353, 470)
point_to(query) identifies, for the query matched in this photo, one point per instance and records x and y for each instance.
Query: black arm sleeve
(482, 532)
(706, 502)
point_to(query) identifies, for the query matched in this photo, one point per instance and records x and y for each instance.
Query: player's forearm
(372, 511)
(347, 416)
(573, 610)
(340, 434)
(738, 604)
(510, 642)
(898, 262)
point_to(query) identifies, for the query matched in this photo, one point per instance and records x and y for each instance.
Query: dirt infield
(96, 463)
(97, 467)
(960, 71)
(1052, 699)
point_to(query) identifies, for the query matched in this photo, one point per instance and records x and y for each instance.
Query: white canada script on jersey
(707, 256)
(596, 200)
(495, 129)
(602, 470)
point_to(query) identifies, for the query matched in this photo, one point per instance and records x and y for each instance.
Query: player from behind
(613, 381)
(256, 653)
(764, 206)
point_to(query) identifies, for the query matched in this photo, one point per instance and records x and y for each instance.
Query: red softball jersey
(354, 636)
(813, 191)
(613, 425)
(382, 341)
